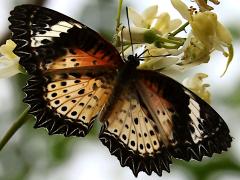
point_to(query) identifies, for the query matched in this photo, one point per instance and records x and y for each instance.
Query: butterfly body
(77, 77)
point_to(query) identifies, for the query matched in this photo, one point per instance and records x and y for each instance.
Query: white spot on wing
(56, 29)
(64, 23)
(61, 26)
(195, 117)
(37, 41)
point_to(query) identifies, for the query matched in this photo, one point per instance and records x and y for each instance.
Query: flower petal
(174, 24)
(173, 71)
(137, 19)
(158, 63)
(162, 24)
(196, 84)
(181, 8)
(223, 34)
(230, 57)
(150, 13)
(7, 49)
(8, 67)
(137, 34)
(204, 27)
(203, 5)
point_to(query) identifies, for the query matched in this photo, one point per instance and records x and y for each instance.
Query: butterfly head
(133, 60)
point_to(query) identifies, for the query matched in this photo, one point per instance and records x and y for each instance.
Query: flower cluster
(168, 48)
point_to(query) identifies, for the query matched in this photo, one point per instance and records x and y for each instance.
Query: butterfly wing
(130, 134)
(197, 129)
(42, 35)
(157, 118)
(72, 68)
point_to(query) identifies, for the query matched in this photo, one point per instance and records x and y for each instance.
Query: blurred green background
(33, 155)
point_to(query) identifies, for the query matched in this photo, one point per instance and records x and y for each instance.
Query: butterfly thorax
(133, 60)
(127, 72)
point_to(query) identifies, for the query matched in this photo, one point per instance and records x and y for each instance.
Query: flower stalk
(15, 126)
(116, 38)
(180, 29)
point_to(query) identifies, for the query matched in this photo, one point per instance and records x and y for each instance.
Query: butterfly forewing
(72, 68)
(43, 36)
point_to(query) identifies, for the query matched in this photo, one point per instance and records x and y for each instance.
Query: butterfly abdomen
(126, 75)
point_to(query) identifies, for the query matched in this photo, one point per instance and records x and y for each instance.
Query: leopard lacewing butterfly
(77, 77)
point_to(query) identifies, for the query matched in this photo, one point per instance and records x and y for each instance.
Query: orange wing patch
(76, 58)
(161, 110)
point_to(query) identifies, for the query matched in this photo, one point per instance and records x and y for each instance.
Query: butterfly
(77, 77)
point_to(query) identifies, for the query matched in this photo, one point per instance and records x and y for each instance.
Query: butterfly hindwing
(197, 129)
(130, 134)
(156, 118)
(71, 67)
(67, 106)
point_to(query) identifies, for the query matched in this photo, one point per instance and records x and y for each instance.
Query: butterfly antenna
(129, 30)
(146, 50)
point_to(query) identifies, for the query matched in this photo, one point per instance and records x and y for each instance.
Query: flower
(149, 26)
(145, 19)
(207, 29)
(195, 53)
(151, 31)
(9, 62)
(196, 85)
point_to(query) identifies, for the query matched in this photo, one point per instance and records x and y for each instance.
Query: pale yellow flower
(9, 62)
(207, 29)
(145, 19)
(195, 53)
(158, 58)
(196, 85)
(148, 26)
(205, 26)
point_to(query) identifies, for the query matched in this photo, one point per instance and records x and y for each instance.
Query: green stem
(165, 40)
(15, 126)
(177, 39)
(118, 19)
(181, 28)
(119, 15)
